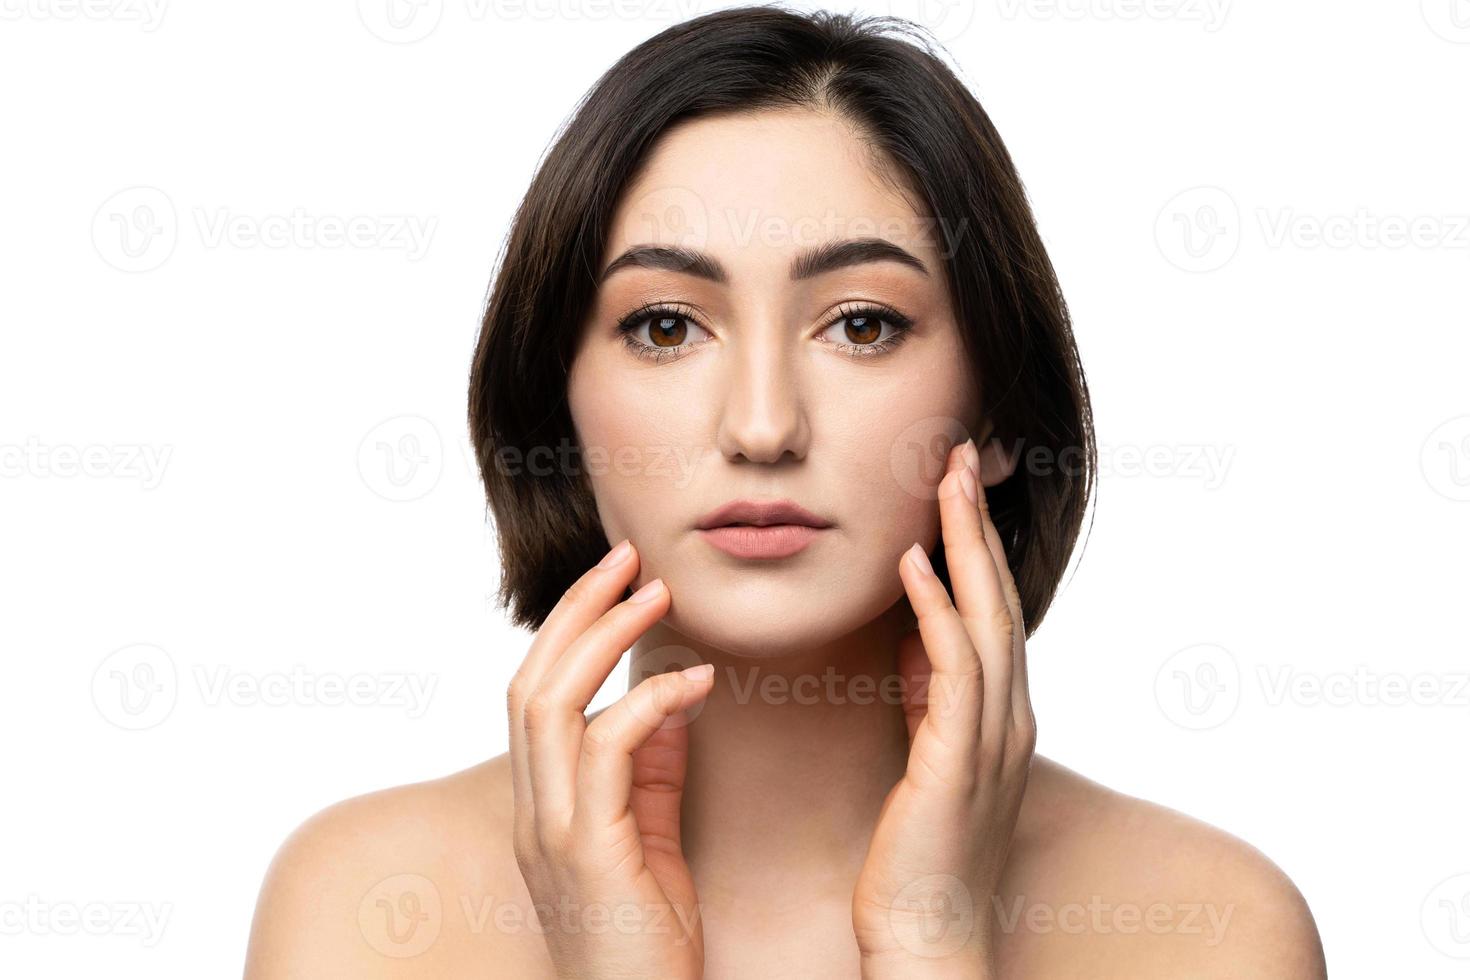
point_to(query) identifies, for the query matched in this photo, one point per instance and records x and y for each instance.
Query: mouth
(762, 530)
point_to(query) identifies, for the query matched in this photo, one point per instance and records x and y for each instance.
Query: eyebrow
(811, 262)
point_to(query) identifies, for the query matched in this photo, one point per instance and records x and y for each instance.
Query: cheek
(892, 439)
(639, 443)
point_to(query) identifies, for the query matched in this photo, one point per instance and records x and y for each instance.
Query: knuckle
(1021, 745)
(654, 696)
(1013, 595)
(552, 842)
(1003, 624)
(515, 694)
(575, 594)
(525, 847)
(1025, 738)
(663, 692)
(537, 711)
(598, 740)
(523, 844)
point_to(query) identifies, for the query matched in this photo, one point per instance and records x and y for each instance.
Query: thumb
(659, 768)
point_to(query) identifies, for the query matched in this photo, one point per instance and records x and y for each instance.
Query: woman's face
(764, 374)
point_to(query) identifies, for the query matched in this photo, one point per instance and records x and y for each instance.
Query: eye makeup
(675, 322)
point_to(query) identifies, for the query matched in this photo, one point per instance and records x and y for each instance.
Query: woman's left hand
(922, 905)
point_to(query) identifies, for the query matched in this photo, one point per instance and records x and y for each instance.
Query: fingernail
(699, 672)
(649, 592)
(616, 556)
(972, 457)
(920, 560)
(967, 483)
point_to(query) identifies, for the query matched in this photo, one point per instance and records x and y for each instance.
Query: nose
(763, 417)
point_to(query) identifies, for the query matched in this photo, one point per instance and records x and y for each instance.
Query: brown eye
(867, 331)
(668, 331)
(863, 329)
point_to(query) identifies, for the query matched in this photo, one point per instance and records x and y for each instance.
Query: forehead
(759, 187)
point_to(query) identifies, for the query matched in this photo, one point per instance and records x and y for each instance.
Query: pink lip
(762, 513)
(761, 528)
(767, 541)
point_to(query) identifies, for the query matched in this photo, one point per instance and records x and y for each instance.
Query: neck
(790, 757)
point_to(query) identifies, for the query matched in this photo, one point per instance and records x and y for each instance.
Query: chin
(773, 623)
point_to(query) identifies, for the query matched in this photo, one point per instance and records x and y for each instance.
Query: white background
(234, 461)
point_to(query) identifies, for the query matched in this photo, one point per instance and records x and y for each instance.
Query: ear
(996, 466)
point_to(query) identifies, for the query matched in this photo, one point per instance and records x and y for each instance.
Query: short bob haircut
(916, 113)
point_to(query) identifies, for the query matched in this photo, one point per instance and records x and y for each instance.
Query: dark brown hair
(914, 113)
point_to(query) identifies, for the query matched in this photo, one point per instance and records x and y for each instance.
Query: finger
(553, 720)
(979, 595)
(1020, 689)
(914, 673)
(588, 598)
(952, 710)
(606, 773)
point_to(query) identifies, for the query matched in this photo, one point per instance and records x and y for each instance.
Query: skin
(790, 821)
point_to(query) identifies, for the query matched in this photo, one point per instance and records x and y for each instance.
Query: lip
(761, 529)
(767, 541)
(761, 513)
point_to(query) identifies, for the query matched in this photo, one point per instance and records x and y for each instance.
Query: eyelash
(653, 311)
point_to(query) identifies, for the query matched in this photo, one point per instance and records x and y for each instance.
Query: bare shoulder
(415, 880)
(1103, 884)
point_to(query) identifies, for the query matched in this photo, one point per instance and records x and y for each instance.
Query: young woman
(775, 345)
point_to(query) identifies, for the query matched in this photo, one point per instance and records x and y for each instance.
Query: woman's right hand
(597, 803)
